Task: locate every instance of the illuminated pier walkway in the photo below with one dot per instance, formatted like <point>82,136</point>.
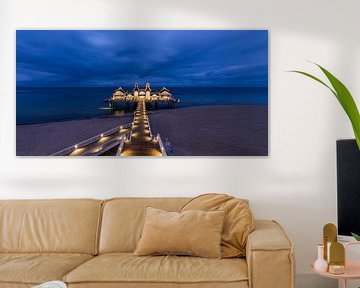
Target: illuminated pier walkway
<point>133,139</point>
<point>141,142</point>
<point>98,144</point>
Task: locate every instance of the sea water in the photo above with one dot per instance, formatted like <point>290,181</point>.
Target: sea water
<point>50,104</point>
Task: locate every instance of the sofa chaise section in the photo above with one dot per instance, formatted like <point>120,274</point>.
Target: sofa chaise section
<point>43,240</point>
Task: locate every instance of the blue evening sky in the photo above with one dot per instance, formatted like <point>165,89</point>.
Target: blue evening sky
<point>188,58</point>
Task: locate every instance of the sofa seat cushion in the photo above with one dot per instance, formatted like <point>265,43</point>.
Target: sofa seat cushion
<point>36,268</point>
<point>127,268</point>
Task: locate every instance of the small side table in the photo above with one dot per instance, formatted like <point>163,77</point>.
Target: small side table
<point>352,269</point>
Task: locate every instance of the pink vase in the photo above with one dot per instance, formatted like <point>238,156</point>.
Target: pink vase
<point>320,264</point>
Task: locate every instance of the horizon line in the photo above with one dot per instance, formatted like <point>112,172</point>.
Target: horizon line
<point>152,86</point>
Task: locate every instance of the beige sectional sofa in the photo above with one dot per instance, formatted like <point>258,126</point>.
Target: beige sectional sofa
<point>89,243</point>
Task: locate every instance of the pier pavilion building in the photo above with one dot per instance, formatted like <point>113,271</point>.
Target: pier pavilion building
<point>142,94</point>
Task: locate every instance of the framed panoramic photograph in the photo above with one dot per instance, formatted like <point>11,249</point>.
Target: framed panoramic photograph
<point>142,93</point>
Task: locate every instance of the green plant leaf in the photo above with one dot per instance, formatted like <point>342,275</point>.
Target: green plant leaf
<point>316,79</point>
<point>346,100</point>
<point>344,97</point>
<point>356,236</point>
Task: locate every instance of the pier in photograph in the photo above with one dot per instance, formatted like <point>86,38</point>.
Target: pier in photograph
<point>132,139</point>
<point>145,95</point>
<point>140,141</point>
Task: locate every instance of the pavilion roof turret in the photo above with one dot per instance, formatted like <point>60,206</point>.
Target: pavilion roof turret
<point>119,89</point>
<point>136,87</point>
<point>165,89</point>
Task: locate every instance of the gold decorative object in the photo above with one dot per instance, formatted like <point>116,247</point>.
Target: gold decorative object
<point>337,258</point>
<point>330,236</point>
<point>337,254</point>
<point>336,269</point>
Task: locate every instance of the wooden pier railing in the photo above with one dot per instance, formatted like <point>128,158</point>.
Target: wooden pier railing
<point>161,145</point>
<point>67,151</point>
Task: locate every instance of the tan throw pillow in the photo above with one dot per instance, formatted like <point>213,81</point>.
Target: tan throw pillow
<point>196,233</point>
<point>239,220</point>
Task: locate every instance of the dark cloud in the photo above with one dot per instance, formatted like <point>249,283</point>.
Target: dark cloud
<point>167,57</point>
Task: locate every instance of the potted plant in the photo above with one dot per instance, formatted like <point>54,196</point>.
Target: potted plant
<point>347,102</point>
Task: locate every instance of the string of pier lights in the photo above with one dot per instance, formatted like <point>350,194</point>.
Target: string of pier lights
<point>76,146</point>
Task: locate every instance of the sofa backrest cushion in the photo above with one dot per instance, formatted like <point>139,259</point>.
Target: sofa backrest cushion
<point>66,226</point>
<point>123,220</point>
<point>238,224</point>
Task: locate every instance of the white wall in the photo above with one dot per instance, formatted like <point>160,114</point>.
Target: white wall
<point>295,185</point>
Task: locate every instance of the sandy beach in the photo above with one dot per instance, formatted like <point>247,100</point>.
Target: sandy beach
<point>47,138</point>
<point>226,130</point>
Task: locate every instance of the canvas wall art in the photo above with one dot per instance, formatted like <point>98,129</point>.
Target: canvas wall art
<point>142,93</point>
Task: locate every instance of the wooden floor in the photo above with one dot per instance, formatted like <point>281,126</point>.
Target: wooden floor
<point>141,143</point>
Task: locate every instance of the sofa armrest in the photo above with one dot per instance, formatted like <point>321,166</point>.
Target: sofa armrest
<point>269,256</point>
